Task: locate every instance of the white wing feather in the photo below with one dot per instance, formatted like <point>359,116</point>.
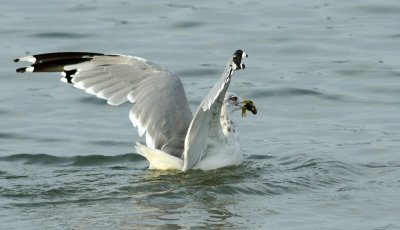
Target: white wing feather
<point>161,109</point>
<point>206,121</point>
<point>159,96</point>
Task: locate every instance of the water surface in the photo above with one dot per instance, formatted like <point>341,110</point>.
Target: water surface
<point>322,153</point>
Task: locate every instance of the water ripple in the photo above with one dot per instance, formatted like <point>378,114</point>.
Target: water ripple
<point>293,92</point>
<point>60,35</point>
<point>282,175</point>
<point>90,160</point>
<point>185,24</point>
<point>15,136</point>
<point>182,6</point>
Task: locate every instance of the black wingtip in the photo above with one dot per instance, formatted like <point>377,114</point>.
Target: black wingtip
<point>240,53</point>
<point>16,60</point>
<point>69,75</point>
<point>21,70</point>
<point>237,59</point>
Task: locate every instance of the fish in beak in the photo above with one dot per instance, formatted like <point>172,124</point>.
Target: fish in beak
<point>248,105</point>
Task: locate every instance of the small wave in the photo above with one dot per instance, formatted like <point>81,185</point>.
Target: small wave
<point>91,160</point>
<point>377,9</point>
<point>71,201</point>
<point>333,166</point>
<point>92,100</point>
<point>189,24</point>
<point>231,180</point>
<point>292,92</point>
<point>252,188</point>
<point>100,159</point>
<point>391,164</point>
<point>60,35</point>
<point>4,135</point>
<point>6,112</point>
<point>199,72</point>
<point>183,6</point>
<point>281,175</point>
<point>302,172</point>
<point>259,157</point>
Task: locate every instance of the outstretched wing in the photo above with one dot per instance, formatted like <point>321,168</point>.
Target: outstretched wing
<point>206,125</point>
<point>161,109</point>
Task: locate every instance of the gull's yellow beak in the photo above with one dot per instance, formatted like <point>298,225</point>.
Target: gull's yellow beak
<point>248,105</point>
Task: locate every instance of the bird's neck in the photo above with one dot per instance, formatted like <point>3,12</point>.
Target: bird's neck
<point>227,125</point>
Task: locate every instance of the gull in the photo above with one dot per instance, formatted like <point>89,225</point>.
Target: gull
<point>175,138</point>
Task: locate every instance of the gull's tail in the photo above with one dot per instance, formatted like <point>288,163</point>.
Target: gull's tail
<point>158,159</point>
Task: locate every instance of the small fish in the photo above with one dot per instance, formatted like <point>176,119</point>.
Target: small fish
<point>248,105</point>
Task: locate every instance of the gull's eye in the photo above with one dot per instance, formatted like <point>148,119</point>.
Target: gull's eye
<point>233,98</point>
